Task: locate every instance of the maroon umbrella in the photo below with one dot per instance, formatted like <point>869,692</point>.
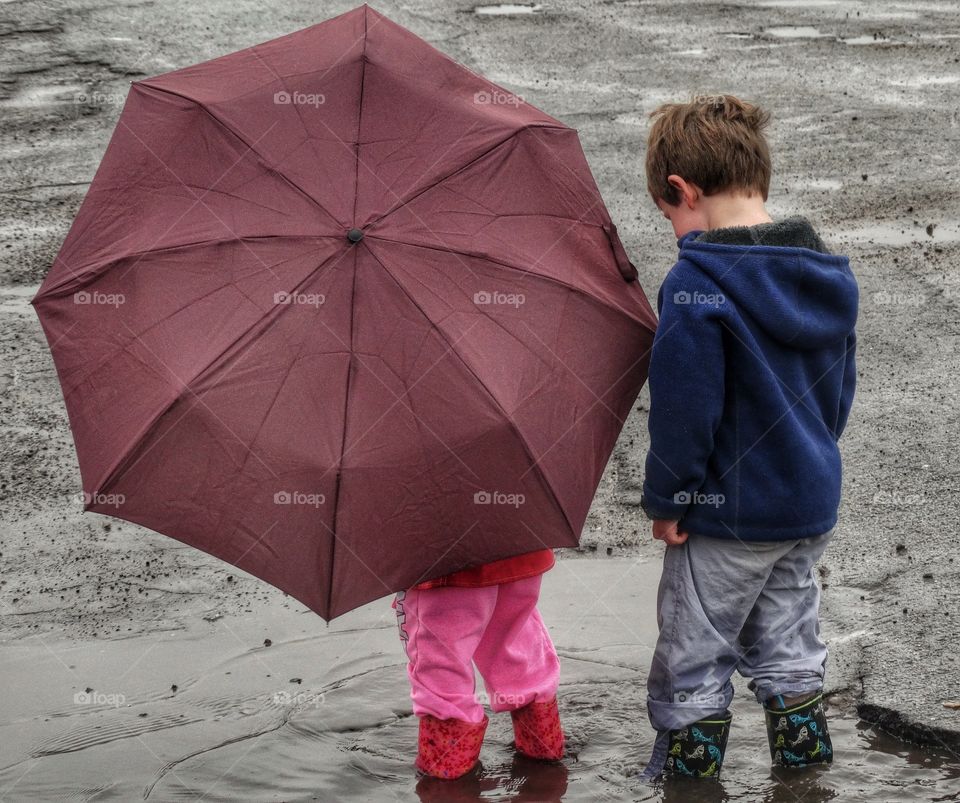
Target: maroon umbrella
<point>344,314</point>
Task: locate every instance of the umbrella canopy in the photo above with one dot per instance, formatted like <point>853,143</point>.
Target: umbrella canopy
<point>344,314</point>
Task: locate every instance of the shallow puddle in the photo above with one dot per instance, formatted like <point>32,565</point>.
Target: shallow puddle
<point>368,757</point>
<point>851,8</point>
<point>212,711</point>
<point>508,9</point>
<point>47,95</point>
<point>795,32</point>
<point>923,81</point>
<point>799,3</point>
<point>814,184</point>
<point>867,39</point>
<point>15,299</point>
<point>895,234</point>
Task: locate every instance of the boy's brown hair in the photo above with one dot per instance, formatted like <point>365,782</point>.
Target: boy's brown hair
<point>713,141</point>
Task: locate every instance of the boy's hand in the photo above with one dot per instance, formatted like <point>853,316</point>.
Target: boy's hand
<point>666,531</point>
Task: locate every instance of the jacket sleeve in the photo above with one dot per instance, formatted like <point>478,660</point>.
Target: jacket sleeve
<point>849,385</point>
<point>686,401</point>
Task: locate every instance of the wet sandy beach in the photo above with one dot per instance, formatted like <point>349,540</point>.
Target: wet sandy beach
<point>209,710</point>
<point>865,136</point>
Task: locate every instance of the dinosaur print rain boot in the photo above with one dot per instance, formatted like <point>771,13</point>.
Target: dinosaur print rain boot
<point>449,748</point>
<point>697,750</point>
<point>798,734</point>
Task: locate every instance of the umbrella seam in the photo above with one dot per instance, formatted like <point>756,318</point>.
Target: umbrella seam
<point>208,190</point>
<point>525,271</point>
<point>487,317</point>
<point>124,464</point>
<point>523,441</point>
<point>53,290</point>
<point>491,213</point>
<point>249,451</point>
<point>257,88</point>
<point>296,106</point>
<point>69,391</point>
<point>260,156</point>
<point>353,293</point>
<point>452,173</point>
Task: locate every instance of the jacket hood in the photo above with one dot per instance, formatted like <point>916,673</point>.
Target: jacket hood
<point>794,290</point>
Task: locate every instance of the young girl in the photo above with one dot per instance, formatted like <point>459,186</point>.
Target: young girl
<point>488,616</point>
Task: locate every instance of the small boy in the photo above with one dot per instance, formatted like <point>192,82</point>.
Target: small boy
<point>751,380</point>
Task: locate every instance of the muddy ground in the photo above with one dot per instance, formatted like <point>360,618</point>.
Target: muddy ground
<point>865,135</point>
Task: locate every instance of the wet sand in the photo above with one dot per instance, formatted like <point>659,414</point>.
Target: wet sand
<point>208,710</point>
<point>865,135</point>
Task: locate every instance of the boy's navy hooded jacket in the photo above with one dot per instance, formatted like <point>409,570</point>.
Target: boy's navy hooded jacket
<point>751,379</point>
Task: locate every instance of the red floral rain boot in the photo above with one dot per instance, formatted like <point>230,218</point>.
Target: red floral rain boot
<point>537,731</point>
<point>449,748</point>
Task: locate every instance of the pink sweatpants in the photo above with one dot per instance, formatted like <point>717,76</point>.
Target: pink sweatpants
<point>446,630</point>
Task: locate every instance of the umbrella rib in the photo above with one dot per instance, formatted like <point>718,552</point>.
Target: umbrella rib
<point>343,441</point>
<point>513,336</point>
<point>353,293</point>
<point>253,440</point>
<point>525,271</point>
<point>101,266</point>
<point>480,382</point>
<point>489,318</point>
<point>208,190</point>
<point>230,129</point>
<point>69,390</point>
<point>363,81</point>
<point>126,462</point>
<point>296,106</point>
<point>404,201</point>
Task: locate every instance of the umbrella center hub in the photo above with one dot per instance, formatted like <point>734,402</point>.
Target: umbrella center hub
<point>355,235</point>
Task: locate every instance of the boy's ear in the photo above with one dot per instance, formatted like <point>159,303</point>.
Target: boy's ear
<point>689,193</point>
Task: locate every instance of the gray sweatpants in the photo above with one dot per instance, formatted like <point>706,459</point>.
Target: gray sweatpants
<point>728,606</point>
